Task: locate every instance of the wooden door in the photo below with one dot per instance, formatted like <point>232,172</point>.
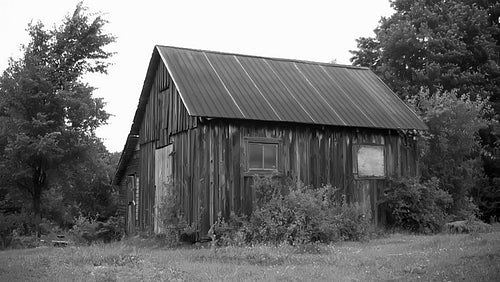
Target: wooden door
<point>163,183</point>
<point>131,207</point>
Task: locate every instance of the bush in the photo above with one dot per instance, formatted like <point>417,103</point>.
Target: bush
<point>233,232</point>
<point>468,209</point>
<point>471,225</point>
<point>296,218</point>
<point>354,224</point>
<point>301,216</point>
<point>8,224</point>
<point>451,148</point>
<point>268,187</point>
<point>418,207</point>
<point>89,230</point>
<point>21,223</point>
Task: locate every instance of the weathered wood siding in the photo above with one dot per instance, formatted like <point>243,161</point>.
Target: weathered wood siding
<point>209,164</point>
<point>165,113</point>
<point>127,190</point>
<point>164,116</point>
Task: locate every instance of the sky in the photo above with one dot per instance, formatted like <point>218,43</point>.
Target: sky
<point>313,30</point>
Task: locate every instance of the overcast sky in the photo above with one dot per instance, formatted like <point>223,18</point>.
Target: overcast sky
<point>311,30</point>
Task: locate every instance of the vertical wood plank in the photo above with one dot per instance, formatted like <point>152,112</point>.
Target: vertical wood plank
<point>212,175</point>
<point>221,188</point>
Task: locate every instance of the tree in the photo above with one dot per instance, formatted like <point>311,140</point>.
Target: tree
<point>48,116</point>
<point>436,44</point>
<point>83,188</point>
<point>452,149</point>
<point>87,184</point>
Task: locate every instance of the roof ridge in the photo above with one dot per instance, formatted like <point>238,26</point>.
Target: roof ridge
<point>267,58</point>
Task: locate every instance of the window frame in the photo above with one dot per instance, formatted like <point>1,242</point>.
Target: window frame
<point>355,161</point>
<point>262,141</point>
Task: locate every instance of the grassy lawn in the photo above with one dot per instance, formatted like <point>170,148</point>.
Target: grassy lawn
<point>465,257</point>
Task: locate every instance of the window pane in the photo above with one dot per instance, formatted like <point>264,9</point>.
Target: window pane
<point>254,155</point>
<point>270,153</point>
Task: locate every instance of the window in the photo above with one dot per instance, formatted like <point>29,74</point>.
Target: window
<point>369,161</point>
<point>262,154</point>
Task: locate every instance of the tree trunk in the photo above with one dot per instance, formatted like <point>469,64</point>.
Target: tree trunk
<point>37,210</point>
<point>38,185</point>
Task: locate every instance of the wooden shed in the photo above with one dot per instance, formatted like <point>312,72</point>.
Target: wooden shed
<point>208,122</point>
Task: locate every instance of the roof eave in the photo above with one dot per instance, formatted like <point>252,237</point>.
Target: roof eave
<point>127,153</point>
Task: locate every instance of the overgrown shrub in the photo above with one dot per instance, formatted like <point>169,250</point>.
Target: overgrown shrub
<point>452,149</point>
<point>468,209</point>
<point>21,223</point>
<point>7,224</point>
<point>354,223</point>
<point>232,232</point>
<point>89,230</point>
<point>296,218</point>
<point>471,225</point>
<point>417,206</point>
<point>296,215</point>
<point>169,212</point>
<point>172,220</point>
<point>268,187</point>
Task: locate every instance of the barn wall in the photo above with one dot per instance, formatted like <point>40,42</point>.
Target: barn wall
<point>127,191</point>
<point>164,116</point>
<point>165,113</point>
<point>209,164</point>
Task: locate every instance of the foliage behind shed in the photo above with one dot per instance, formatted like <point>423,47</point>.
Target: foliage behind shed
<point>207,122</point>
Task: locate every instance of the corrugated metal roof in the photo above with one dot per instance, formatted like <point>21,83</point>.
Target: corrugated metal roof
<point>223,85</point>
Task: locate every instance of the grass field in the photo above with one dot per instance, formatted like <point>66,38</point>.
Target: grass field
<point>465,257</point>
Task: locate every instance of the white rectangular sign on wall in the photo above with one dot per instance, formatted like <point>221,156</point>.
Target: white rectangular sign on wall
<point>370,161</point>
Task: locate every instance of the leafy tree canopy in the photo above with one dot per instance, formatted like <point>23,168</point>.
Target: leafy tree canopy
<point>437,44</point>
<point>451,149</point>
<point>48,116</point>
